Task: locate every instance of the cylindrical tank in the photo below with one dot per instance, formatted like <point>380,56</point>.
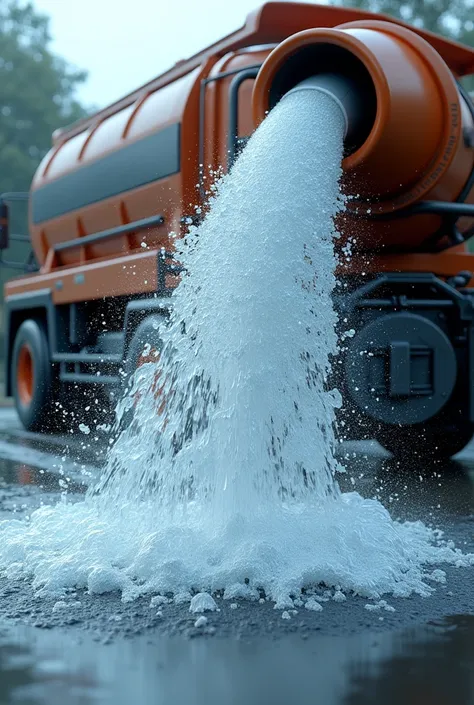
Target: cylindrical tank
<point>120,169</point>
<point>409,144</point>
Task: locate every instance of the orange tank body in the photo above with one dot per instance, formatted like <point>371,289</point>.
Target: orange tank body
<point>119,168</point>
<point>117,188</point>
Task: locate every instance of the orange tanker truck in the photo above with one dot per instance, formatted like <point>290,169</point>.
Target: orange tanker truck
<point>113,187</point>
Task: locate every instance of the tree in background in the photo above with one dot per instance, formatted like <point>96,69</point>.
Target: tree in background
<point>36,97</point>
<point>451,18</point>
<point>36,93</point>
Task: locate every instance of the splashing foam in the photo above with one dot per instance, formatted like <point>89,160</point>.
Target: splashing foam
<point>231,486</point>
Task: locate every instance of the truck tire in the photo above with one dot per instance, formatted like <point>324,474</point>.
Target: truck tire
<point>33,379</point>
<point>427,441</point>
<point>146,334</point>
<point>145,345</point>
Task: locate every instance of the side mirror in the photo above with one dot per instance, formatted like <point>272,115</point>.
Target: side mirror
<point>4,233</point>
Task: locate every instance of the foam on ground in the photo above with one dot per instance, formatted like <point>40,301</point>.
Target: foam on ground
<point>232,487</point>
<point>349,542</point>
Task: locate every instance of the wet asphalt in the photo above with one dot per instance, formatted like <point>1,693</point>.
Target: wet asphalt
<point>108,652</point>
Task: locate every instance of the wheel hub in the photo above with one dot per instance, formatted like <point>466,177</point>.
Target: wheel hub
<point>400,369</point>
<point>25,375</point>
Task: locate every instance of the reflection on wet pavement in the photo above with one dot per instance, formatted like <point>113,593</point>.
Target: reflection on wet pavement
<point>36,469</point>
<point>433,665</point>
<point>29,677</point>
<point>434,668</point>
<point>431,493</point>
<point>25,487</point>
<point>412,491</point>
<point>79,448</point>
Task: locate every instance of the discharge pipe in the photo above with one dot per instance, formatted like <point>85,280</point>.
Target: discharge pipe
<point>343,90</point>
<point>407,124</point>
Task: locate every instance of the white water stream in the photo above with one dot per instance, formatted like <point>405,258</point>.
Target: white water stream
<point>232,487</point>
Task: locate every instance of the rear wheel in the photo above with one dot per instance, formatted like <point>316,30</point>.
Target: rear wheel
<point>33,380</point>
<point>145,346</point>
<point>42,402</point>
<point>425,441</point>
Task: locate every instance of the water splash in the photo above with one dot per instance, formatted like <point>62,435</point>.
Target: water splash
<point>245,358</point>
<point>231,484</point>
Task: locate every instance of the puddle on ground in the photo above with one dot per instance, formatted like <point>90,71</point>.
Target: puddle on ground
<point>24,487</point>
<point>433,664</point>
<point>411,491</point>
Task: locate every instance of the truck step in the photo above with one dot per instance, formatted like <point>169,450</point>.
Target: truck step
<point>88,357</point>
<point>83,378</point>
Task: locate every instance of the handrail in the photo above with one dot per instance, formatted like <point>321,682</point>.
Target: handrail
<point>137,225</point>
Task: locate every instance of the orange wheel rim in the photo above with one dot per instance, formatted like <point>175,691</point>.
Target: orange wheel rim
<point>150,355</point>
<point>25,375</point>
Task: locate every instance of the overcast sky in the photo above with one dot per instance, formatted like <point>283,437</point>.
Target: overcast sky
<point>124,43</point>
